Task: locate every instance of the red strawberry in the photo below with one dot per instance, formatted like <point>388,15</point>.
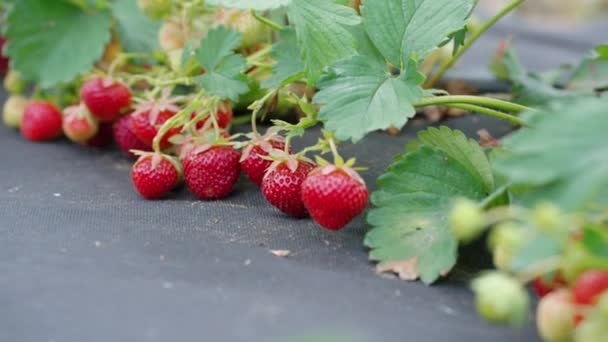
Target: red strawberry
<point>188,142</point>
<point>125,137</point>
<point>3,59</point>
<point>211,171</point>
<point>252,162</point>
<point>41,121</point>
<point>282,185</point>
<point>154,175</point>
<point>103,137</point>
<point>78,124</point>
<point>545,285</point>
<point>589,286</point>
<point>105,97</point>
<point>334,195</point>
<point>223,117</point>
<point>146,126</point>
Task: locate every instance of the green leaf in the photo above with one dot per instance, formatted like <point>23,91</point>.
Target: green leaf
<point>602,50</point>
<point>595,240</point>
<point>258,5</point>
<point>137,32</point>
<point>53,41</point>
<point>562,157</point>
<point>466,151</point>
<point>410,232</point>
<point>403,28</point>
<point>223,76</point>
<point>321,30</point>
<point>359,97</point>
<point>590,74</point>
<point>538,248</point>
<point>288,65</point>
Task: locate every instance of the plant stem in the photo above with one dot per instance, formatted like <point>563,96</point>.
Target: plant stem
<point>271,24</point>
<point>474,100</point>
<point>241,120</point>
<point>449,63</point>
<point>256,56</point>
<point>489,112</point>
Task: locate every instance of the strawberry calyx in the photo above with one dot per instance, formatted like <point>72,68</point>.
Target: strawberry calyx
<point>262,141</point>
<point>281,157</point>
<point>155,106</point>
<point>157,158</point>
<point>326,168</point>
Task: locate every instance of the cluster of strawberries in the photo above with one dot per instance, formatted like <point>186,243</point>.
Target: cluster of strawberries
<point>561,309</point>
<point>207,160</point>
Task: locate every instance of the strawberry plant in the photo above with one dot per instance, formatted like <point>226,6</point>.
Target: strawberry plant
<point>167,80</point>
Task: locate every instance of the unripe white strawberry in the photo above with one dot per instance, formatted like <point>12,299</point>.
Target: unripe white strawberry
<point>13,82</point>
<point>171,36</point>
<point>13,110</point>
<point>500,298</point>
<point>555,316</point>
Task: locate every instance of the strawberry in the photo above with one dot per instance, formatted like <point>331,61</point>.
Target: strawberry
<point>544,285</point>
<point>154,175</point>
<point>223,117</point>
<point>282,185</point>
<point>150,114</point>
<point>78,124</point>
<point>211,171</point>
<point>146,126</point>
<point>252,161</point>
<point>103,138</point>
<point>589,286</point>
<point>3,59</point>
<point>334,195</point>
<point>13,109</point>
<point>41,121</point>
<point>125,136</point>
<point>554,316</point>
<point>172,36</point>
<point>105,97</point>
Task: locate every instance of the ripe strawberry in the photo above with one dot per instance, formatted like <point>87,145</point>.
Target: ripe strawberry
<point>223,117</point>
<point>125,137</point>
<point>545,285</point>
<point>3,58</point>
<point>282,185</point>
<point>334,195</point>
<point>105,97</point>
<point>41,121</point>
<point>589,286</point>
<point>154,175</point>
<point>252,161</point>
<point>211,171</point>
<point>104,136</point>
<point>146,125</point>
<point>78,124</point>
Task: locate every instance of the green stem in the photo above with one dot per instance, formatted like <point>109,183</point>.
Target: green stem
<point>449,63</point>
<point>274,26</point>
<point>489,112</point>
<point>258,55</point>
<point>474,100</point>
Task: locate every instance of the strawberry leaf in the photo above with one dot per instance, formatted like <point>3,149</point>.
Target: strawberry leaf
<point>590,74</point>
<point>409,224</point>
<point>466,151</point>
<point>289,65</point>
<point>258,5</point>
<point>321,30</point>
<point>562,157</point>
<point>54,41</point>
<point>137,32</point>
<point>223,68</point>
<point>401,29</point>
<point>359,97</point>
